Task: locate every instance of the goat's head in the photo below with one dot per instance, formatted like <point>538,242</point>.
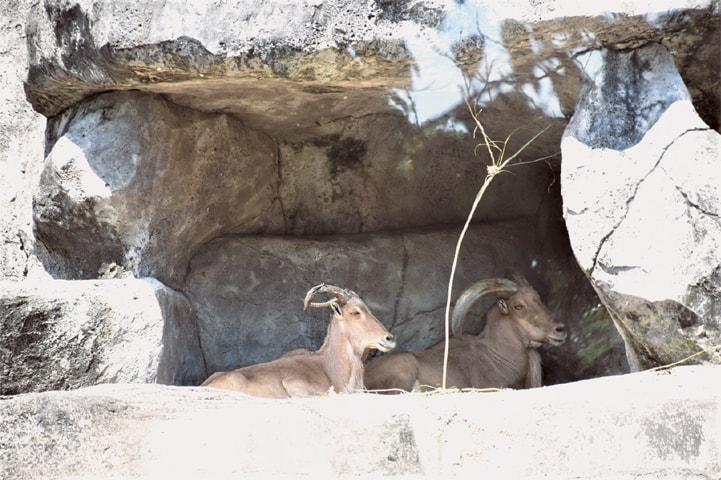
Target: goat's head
<point>518,301</point>
<point>354,317</point>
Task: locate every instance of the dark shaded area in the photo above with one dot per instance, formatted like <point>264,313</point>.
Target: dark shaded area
<point>79,240</point>
<point>619,113</point>
<point>343,153</point>
<point>27,360</point>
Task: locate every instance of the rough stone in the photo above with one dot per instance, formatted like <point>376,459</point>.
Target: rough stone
<point>136,180</point>
<point>21,149</point>
<point>641,200</point>
<point>173,127</point>
<point>336,132</point>
<point>665,425</point>
<point>133,179</point>
<point>69,334</point>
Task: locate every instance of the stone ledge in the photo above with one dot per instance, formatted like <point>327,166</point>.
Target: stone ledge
<point>343,47</point>
<point>643,425</point>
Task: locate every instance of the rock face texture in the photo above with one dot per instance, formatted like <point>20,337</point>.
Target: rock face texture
<point>139,181</point>
<point>664,426</point>
<point>78,333</point>
<point>174,177</point>
<point>642,192</point>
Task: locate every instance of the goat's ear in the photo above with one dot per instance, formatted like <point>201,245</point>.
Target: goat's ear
<point>336,309</point>
<point>503,306</point>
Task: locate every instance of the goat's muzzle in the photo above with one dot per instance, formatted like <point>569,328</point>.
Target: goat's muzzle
<point>558,336</point>
<point>386,344</point>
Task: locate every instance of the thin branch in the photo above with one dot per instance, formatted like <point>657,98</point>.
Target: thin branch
<point>683,360</point>
<point>496,167</point>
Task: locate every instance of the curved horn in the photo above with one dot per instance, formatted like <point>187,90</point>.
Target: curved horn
<point>340,295</point>
<point>473,294</point>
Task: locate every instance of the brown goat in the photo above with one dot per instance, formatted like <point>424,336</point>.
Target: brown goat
<point>503,355</point>
<point>337,365</point>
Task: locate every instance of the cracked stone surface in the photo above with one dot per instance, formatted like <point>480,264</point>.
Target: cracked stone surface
<point>643,210</point>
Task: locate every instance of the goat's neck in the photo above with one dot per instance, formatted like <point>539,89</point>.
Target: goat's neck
<point>342,361</point>
<point>507,348</point>
<point>504,331</point>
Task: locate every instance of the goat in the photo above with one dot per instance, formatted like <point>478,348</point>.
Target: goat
<point>337,365</point>
<point>503,355</point>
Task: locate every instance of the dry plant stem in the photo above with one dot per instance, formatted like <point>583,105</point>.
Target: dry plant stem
<point>497,166</point>
<point>493,170</point>
<point>683,360</point>
<point>477,200</point>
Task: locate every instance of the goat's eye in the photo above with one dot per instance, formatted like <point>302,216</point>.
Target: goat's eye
<point>355,313</point>
<point>518,307</point>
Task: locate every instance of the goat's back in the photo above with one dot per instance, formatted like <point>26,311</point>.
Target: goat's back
<point>472,363</point>
<point>296,375</point>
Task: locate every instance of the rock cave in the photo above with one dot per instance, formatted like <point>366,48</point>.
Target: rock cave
<point>188,172</point>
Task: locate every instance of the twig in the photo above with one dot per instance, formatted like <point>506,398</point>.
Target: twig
<point>497,166</point>
<point>701,352</point>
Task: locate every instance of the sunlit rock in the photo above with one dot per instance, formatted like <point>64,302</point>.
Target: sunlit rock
<point>240,152</point>
<point>136,180</point>
<point>663,423</point>
<point>61,334</point>
<point>641,190</point>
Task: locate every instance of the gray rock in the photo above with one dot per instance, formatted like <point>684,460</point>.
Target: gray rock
<point>267,144</point>
<point>641,202</point>
<point>663,426</point>
<point>63,334</point>
<point>135,180</point>
<point>117,186</point>
<point>172,129</point>
<point>21,149</point>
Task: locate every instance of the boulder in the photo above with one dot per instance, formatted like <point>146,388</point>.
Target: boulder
<point>664,425</point>
<point>133,179</point>
<point>63,334</point>
<point>641,190</point>
<point>176,175</point>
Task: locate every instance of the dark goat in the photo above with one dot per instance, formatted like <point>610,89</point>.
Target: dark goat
<point>503,355</point>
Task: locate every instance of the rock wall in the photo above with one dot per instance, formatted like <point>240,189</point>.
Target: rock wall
<point>61,334</point>
<point>168,144</point>
<point>22,144</point>
<point>175,176</point>
<point>133,179</point>
<point>642,190</point>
